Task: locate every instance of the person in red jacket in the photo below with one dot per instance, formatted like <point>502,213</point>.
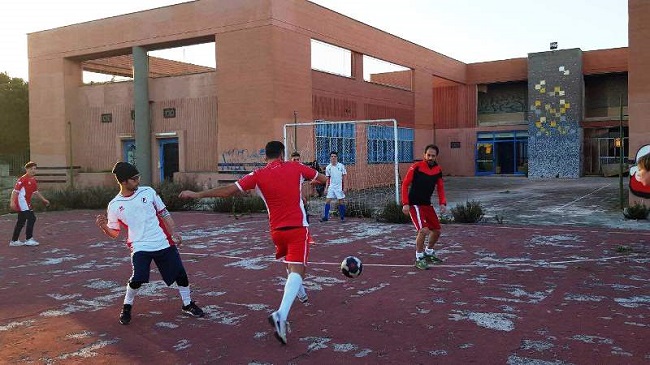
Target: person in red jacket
<point>21,202</point>
<point>423,177</point>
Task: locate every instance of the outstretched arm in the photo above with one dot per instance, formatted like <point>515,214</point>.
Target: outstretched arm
<point>220,192</point>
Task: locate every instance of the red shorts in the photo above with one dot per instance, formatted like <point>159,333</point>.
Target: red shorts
<point>292,244</point>
<point>424,216</point>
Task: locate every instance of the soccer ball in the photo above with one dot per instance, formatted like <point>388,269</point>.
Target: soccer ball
<point>351,267</point>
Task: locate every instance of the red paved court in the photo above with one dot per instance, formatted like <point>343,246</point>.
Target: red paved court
<point>505,295</point>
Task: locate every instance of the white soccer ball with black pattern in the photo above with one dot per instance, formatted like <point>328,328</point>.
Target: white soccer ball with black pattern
<point>351,267</point>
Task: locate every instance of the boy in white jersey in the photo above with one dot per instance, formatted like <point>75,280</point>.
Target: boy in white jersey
<point>334,188</point>
<point>150,236</point>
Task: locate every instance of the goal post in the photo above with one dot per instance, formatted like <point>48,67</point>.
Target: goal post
<point>369,149</point>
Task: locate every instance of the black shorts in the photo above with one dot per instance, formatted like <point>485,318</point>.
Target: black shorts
<point>167,260</point>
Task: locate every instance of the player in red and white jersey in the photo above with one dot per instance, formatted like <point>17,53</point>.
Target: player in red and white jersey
<point>150,236</point>
<point>21,202</point>
<point>279,184</point>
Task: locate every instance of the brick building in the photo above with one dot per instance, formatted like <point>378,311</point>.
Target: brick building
<point>552,114</point>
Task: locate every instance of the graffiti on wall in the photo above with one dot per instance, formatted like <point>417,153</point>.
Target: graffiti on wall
<point>503,99</point>
<point>550,114</point>
<point>241,159</point>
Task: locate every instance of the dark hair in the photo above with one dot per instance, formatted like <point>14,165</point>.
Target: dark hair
<point>334,153</point>
<point>295,154</point>
<point>124,171</point>
<point>30,164</point>
<point>274,149</point>
<point>432,146</point>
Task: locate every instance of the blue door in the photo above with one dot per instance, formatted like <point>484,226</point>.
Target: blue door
<point>168,158</point>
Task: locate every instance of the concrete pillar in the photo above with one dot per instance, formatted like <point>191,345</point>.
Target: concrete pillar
<point>142,117</point>
<point>555,89</point>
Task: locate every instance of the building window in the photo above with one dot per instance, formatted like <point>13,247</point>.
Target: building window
<point>381,144</point>
<point>339,137</point>
<point>329,58</point>
<point>169,113</point>
<point>107,118</point>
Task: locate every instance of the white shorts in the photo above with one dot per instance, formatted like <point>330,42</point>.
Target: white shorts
<point>335,193</point>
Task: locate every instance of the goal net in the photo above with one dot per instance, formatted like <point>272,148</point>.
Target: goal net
<point>367,148</point>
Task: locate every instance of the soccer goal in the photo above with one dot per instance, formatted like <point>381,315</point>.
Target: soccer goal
<point>369,150</point>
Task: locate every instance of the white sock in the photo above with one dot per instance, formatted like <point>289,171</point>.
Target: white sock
<point>301,291</point>
<point>185,294</point>
<point>429,251</point>
<point>294,282</point>
<point>130,295</point>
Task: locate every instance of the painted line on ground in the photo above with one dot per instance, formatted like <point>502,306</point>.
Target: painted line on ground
<point>580,198</point>
<point>486,265</point>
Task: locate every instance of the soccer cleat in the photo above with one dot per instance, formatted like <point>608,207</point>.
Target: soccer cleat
<point>16,243</point>
<point>193,310</point>
<point>432,259</point>
<point>279,326</point>
<point>303,298</point>
<point>31,242</point>
<point>421,264</point>
<point>125,315</point>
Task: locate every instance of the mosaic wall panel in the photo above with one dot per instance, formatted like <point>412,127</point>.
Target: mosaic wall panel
<point>555,89</point>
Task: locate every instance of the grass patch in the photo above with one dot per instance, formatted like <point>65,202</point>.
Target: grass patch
<point>392,213</point>
<point>637,211</point>
<point>470,212</point>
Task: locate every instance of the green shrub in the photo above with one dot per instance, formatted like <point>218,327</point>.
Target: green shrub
<point>239,204</point>
<point>169,191</point>
<point>86,198</point>
<point>637,211</point>
<point>358,209</point>
<point>470,212</point>
<point>445,218</point>
<point>392,213</point>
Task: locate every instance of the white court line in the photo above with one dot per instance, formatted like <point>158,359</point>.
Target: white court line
<point>580,198</point>
<point>487,265</point>
<point>578,229</point>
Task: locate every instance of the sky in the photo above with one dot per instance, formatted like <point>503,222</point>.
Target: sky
<point>466,30</point>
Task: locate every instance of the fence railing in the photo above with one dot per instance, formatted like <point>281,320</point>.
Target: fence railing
<point>16,161</point>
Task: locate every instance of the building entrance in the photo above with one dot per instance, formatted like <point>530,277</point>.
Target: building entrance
<point>502,153</point>
<point>168,154</point>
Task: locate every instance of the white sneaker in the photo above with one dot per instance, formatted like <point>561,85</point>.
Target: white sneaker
<point>279,326</point>
<point>31,242</point>
<point>16,243</point>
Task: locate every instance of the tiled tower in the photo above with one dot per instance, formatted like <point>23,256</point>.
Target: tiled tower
<point>555,88</point>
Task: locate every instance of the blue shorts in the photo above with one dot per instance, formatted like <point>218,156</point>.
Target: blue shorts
<point>167,260</point>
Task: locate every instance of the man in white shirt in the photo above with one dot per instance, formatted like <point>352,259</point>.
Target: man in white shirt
<point>150,236</point>
<point>335,186</point>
